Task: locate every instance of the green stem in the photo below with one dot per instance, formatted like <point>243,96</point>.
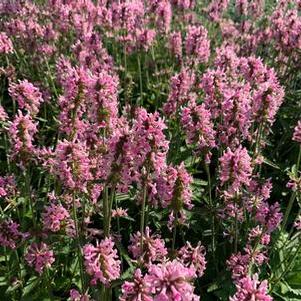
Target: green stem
<point>110,206</point>
<point>293,196</point>
<point>28,191</point>
<point>212,214</point>
<point>140,79</point>
<point>257,141</point>
<point>79,253</point>
<point>143,215</point>
<point>174,235</point>
<point>287,267</point>
<point>106,211</point>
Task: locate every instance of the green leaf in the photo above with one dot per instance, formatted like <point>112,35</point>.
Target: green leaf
<point>30,286</point>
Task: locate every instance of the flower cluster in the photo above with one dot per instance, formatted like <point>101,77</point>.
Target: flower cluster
<point>10,235</point>
<point>101,261</point>
<point>39,256</point>
<point>27,96</point>
<point>250,288</point>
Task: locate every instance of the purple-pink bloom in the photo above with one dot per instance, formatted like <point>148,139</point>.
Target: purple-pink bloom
<point>101,261</point>
<point>22,131</point>
<point>71,164</point>
<point>55,217</point>
<point>27,96</point>
<point>193,257</point>
<point>171,281</point>
<point>6,45</point>
<point>180,90</point>
<point>175,43</point>
<point>154,249</point>
<point>216,9</point>
<point>7,187</point>
<point>136,290</point>
<point>269,216</point>
<point>238,264</point>
<point>76,296</point>
<point>39,256</point>
<point>198,128</point>
<point>250,288</point>
<point>297,223</point>
<point>173,189</point>
<point>235,169</point>
<point>10,235</point>
<point>297,132</point>
<point>197,43</point>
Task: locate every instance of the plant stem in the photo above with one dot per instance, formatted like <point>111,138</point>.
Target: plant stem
<point>287,267</point>
<point>110,205</point>
<point>211,208</point>
<point>143,214</point>
<point>174,234</point>
<point>28,191</point>
<point>106,212</point>
<point>293,196</point>
<point>140,79</point>
<point>79,253</point>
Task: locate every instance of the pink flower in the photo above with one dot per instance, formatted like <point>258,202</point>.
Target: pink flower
<point>6,45</point>
<point>136,290</point>
<point>171,281</point>
<point>239,265</point>
<point>10,235</point>
<point>297,223</point>
<point>27,96</point>
<point>146,38</point>
<point>184,4</point>
<point>269,216</point>
<point>198,127</point>
<point>76,296</point>
<point>22,131</point>
<point>285,27</point>
<point>154,249</point>
<point>102,262</point>
<point>229,102</point>
<point>180,89</point>
<point>149,144</point>
<point>77,89</point>
<point>297,132</point>
<point>55,217</point>
<point>235,169</point>
<point>119,212</point>
<point>175,43</point>
<point>268,95</point>
<point>128,15</point>
<point>39,256</point>
<point>163,13</point>
<point>197,43</point>
<point>173,190</point>
<point>216,9</point>
<point>71,164</point>
<point>7,187</point>
<point>193,257</point>
<point>103,105</point>
<point>250,288</point>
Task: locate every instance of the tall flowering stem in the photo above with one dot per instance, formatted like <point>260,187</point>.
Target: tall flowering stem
<point>207,168</point>
<point>106,211</point>
<point>77,238</point>
<point>143,209</point>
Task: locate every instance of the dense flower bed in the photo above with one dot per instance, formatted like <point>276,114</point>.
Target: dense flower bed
<point>150,150</point>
